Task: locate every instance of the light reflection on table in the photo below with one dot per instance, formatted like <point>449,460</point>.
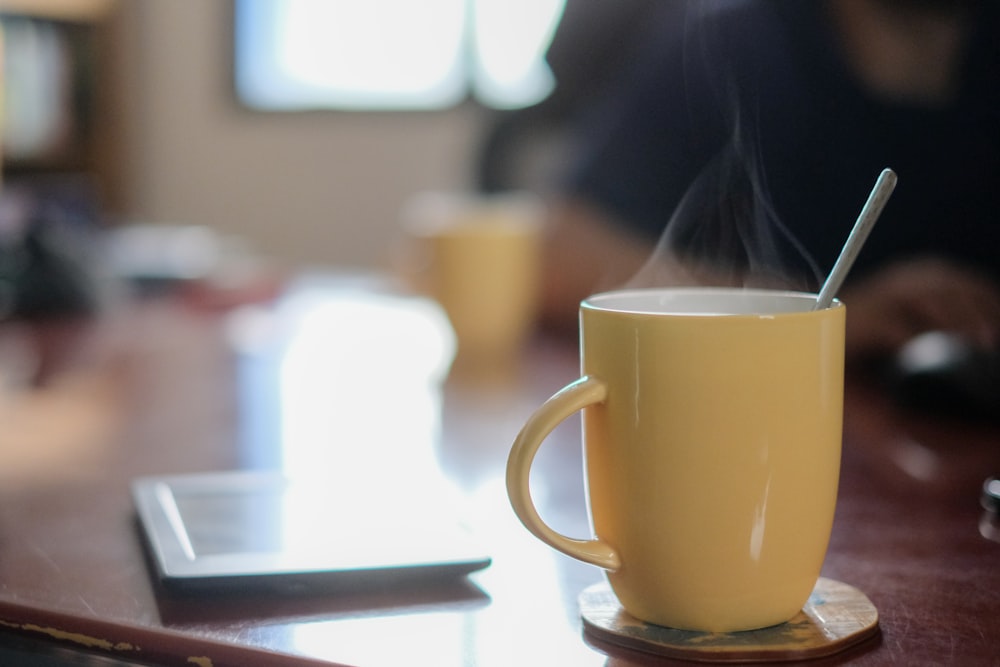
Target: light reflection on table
<point>360,388</point>
<point>527,599</point>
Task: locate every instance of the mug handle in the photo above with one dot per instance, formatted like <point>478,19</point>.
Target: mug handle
<point>568,400</point>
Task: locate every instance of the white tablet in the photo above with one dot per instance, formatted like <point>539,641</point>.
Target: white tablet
<point>243,530</point>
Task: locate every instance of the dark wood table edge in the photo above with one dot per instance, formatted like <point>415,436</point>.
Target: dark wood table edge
<point>128,641</point>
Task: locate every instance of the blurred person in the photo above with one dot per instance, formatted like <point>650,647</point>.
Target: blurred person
<point>741,145</point>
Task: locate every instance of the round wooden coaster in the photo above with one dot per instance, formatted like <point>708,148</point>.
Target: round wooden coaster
<point>836,617</point>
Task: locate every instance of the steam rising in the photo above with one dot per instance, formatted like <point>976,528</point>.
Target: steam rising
<point>725,230</point>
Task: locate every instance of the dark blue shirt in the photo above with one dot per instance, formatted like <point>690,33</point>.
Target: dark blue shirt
<point>744,136</point>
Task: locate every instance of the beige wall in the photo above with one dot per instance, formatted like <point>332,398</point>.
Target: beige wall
<point>304,188</point>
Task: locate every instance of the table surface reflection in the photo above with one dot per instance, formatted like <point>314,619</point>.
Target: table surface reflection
<point>162,387</point>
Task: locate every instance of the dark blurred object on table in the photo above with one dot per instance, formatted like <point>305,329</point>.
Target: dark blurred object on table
<point>943,373</point>
<point>45,250</point>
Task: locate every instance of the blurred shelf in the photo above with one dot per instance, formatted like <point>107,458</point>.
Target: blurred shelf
<point>55,140</point>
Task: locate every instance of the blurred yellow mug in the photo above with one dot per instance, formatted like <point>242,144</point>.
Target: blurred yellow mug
<point>480,258</point>
<point>712,422</point>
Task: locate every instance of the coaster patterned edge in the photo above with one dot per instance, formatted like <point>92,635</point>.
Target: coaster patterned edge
<point>836,617</point>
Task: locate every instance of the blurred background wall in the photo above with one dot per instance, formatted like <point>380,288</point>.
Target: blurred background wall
<point>306,188</point>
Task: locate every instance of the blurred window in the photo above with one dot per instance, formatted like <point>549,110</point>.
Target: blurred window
<point>392,54</point>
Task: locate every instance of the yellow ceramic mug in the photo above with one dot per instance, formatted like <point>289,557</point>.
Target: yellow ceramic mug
<point>480,258</point>
<point>712,426</point>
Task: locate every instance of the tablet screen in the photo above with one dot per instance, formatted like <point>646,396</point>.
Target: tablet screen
<point>229,523</point>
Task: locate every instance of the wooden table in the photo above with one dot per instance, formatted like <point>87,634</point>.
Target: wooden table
<point>161,386</point>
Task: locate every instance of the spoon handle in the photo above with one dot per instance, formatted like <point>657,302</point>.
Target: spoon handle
<point>866,220</point>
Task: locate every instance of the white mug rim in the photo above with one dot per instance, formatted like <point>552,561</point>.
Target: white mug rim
<point>704,301</point>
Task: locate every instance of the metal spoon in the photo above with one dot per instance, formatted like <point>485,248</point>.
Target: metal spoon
<point>866,220</point>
